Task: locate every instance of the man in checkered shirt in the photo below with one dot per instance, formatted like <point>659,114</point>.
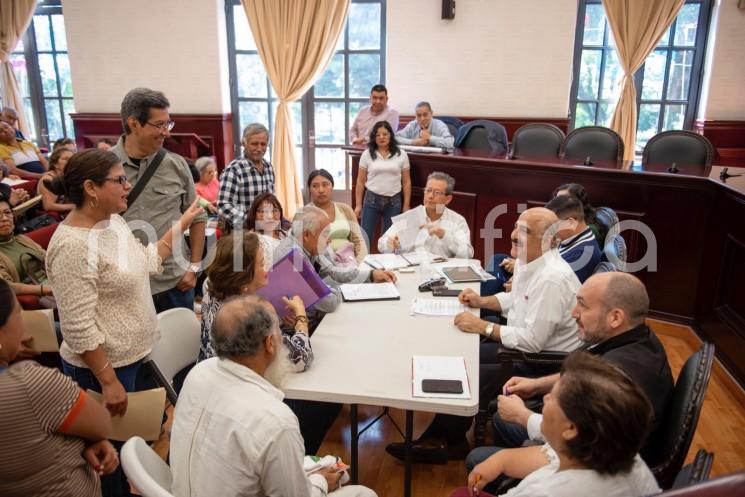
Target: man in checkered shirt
<point>247,177</point>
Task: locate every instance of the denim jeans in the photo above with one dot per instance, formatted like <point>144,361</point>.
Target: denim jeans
<point>115,484</point>
<point>173,298</point>
<point>376,207</point>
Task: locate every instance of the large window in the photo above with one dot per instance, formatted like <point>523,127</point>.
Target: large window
<point>323,116</point>
<point>42,68</point>
<point>667,83</point>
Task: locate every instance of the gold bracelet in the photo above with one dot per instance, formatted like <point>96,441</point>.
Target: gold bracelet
<point>301,319</point>
<point>166,244</point>
<point>102,369</point>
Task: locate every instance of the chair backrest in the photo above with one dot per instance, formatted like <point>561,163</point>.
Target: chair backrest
<point>673,438</point>
<point>42,236</point>
<point>178,347</point>
<point>596,142</point>
<point>477,138</point>
<point>605,267</point>
<point>537,140</point>
<point>681,147</point>
<point>482,134</point>
<point>726,486</point>
<point>453,123</point>
<point>612,243</point>
<point>695,472</point>
<point>144,468</point>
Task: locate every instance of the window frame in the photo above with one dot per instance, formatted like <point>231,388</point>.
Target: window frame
<point>696,76</point>
<point>33,70</point>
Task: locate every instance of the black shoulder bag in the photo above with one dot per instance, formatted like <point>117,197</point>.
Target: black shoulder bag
<point>143,181</point>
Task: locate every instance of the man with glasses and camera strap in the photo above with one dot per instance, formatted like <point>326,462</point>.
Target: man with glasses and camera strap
<point>163,189</point>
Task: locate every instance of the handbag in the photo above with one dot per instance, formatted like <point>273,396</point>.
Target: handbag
<point>36,273</point>
<point>35,223</point>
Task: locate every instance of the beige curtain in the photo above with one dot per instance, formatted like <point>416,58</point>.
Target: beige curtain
<point>15,16</point>
<point>637,26</point>
<point>296,41</point>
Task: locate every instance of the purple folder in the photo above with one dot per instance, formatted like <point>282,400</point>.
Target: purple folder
<point>293,275</point>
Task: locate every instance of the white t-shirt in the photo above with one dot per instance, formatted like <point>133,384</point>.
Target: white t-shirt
<point>384,175</point>
<point>547,482</point>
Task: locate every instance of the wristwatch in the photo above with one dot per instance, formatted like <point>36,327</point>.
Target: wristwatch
<point>195,268</point>
<point>489,330</point>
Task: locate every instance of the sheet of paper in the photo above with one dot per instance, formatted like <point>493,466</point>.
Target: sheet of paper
<point>14,182</point>
<point>40,325</point>
<point>439,368</point>
<point>369,291</point>
<point>416,258</point>
<point>143,418</point>
<point>385,261</point>
<point>437,307</point>
<point>21,208</point>
<point>422,149</point>
<point>408,226</point>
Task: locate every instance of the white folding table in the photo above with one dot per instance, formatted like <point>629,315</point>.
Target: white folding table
<point>363,355</point>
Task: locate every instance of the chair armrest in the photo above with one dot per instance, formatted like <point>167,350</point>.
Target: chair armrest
<point>513,355</point>
<point>28,302</point>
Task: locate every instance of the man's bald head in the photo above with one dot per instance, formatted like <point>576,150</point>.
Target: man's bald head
<point>609,304</point>
<point>534,234</point>
<point>241,326</point>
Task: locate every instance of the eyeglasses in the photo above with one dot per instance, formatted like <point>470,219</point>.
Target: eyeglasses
<point>436,193</point>
<point>118,179</point>
<point>8,214</point>
<point>168,125</point>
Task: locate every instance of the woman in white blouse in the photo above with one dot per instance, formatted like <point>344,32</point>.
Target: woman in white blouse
<point>100,273</point>
<point>595,420</point>
<point>385,180</point>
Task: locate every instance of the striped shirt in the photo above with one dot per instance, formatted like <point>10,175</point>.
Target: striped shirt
<point>240,183</point>
<point>35,459</point>
<point>582,253</point>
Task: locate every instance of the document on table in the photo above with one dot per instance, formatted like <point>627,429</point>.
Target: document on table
<point>408,225</point>
<point>422,149</point>
<point>369,291</point>
<point>385,261</point>
<point>143,418</point>
<point>439,368</point>
<point>437,307</point>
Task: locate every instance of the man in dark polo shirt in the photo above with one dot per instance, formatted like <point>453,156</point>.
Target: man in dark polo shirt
<point>610,312</point>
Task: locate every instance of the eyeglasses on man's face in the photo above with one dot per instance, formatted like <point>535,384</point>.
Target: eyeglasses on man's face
<point>118,179</point>
<point>436,193</point>
<point>6,213</point>
<point>166,126</point>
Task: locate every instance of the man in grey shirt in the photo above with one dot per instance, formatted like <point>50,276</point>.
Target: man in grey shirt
<point>168,193</point>
<point>425,131</point>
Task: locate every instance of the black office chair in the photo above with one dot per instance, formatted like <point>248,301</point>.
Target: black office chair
<point>680,147</point>
<point>672,440</point>
<point>537,140</point>
<point>453,123</point>
<point>611,242</point>
<point>594,142</point>
<point>482,134</point>
<point>726,486</point>
<point>695,472</point>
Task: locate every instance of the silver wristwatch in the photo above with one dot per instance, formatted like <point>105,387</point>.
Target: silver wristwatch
<point>489,330</point>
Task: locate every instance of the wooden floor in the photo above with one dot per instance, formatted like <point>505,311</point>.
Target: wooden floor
<point>721,429</point>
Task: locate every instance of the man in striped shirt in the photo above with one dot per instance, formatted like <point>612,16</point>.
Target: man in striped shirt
<point>578,246</point>
<point>247,177</point>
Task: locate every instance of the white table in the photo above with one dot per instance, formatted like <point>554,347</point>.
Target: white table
<point>363,355</point>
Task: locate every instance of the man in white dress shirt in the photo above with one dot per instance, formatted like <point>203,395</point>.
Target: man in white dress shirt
<point>232,434</point>
<point>444,232</point>
<point>425,130</point>
<point>539,318</point>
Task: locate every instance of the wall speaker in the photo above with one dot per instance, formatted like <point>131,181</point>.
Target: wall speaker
<point>448,9</point>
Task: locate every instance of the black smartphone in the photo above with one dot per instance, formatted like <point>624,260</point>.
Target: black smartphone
<point>445,292</point>
<point>442,386</point>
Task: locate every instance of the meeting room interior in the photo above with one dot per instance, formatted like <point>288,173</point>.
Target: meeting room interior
<point>372,247</point>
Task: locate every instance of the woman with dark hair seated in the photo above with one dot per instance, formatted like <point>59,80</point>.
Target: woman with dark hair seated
<point>49,426</point>
<point>50,201</point>
<point>594,420</point>
<point>345,234</point>
<point>578,191</point>
<point>265,216</point>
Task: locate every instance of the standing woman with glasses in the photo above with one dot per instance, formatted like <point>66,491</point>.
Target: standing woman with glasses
<point>101,273</point>
<point>384,178</point>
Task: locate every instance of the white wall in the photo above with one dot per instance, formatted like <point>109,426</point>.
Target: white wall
<point>169,45</point>
<point>507,58</point>
<point>723,97</point>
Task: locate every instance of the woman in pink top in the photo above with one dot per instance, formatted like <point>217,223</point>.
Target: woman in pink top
<point>207,187</point>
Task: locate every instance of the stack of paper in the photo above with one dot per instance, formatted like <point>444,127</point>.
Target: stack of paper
<point>423,149</point>
<point>439,368</point>
<point>385,261</point>
<point>369,291</point>
<point>437,307</point>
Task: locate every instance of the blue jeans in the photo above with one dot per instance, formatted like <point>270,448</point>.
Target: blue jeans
<point>115,484</point>
<point>172,299</point>
<point>376,207</point>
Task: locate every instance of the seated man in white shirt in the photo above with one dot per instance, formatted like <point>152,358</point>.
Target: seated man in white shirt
<point>425,130</point>
<point>232,434</point>
<point>443,232</point>
<point>539,318</point>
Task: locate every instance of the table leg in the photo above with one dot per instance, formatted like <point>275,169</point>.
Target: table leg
<point>354,438</point>
<point>407,452</point>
